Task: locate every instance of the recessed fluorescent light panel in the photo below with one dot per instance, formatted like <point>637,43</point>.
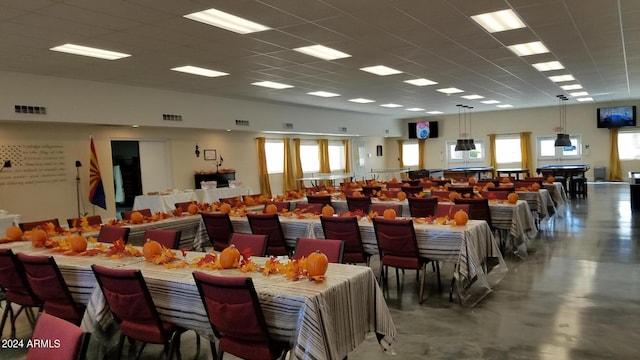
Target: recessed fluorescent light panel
<point>585,99</point>
<point>532,48</point>
<point>226,21</point>
<point>420,82</point>
<point>499,21</point>
<point>89,51</point>
<point>450,90</point>
<point>571,87</point>
<point>199,71</point>
<point>322,52</point>
<point>415,109</point>
<point>561,78</point>
<point>381,70</point>
<point>472,97</point>
<point>434,112</point>
<point>361,101</point>
<point>503,106</point>
<point>272,85</point>
<point>548,66</point>
<point>323,94</point>
<point>579,93</point>
<point>391,105</point>
<point>489,102</point>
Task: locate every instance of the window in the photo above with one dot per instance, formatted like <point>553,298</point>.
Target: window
<point>465,157</point>
<point>274,152</point>
<point>309,157</point>
<point>336,156</point>
<point>629,145</point>
<point>410,154</point>
<point>547,151</point>
<point>508,150</point>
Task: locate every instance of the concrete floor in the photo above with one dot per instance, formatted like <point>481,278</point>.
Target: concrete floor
<point>576,296</point>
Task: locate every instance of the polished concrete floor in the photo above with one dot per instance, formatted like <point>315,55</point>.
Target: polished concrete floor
<point>576,296</point>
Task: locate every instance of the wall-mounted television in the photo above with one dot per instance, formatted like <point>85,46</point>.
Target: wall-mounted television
<point>423,130</point>
<point>616,116</point>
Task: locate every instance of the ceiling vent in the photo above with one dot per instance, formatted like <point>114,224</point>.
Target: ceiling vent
<point>242,122</point>
<point>29,109</point>
<point>287,126</point>
<point>342,129</point>
<point>171,117</point>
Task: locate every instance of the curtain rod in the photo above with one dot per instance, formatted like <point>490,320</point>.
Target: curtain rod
<point>514,133</point>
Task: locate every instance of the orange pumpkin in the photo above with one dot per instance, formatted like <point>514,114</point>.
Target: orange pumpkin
<point>229,257</point>
<point>151,249</point>
<point>317,264</point>
<point>328,211</point>
<point>38,237</point>
<point>461,217</point>
<point>136,217</point>
<point>490,185</point>
<point>389,213</point>
<point>270,209</point>
<point>14,233</point>
<point>512,198</point>
<point>78,243</point>
<point>454,195</point>
<point>356,194</point>
<point>402,195</point>
<point>192,209</point>
<point>551,179</point>
<point>225,208</point>
<point>535,187</point>
<point>472,180</point>
<point>249,201</point>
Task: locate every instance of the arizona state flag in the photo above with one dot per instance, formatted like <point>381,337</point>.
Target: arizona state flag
<point>96,188</point>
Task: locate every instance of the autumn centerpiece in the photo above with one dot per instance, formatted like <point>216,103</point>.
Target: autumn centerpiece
<point>317,264</point>
<point>512,198</point>
<point>328,211</point>
<point>230,257</point>
<point>389,213</point>
<point>136,217</point>
<point>38,237</point>
<point>151,249</point>
<point>78,243</point>
<point>14,233</point>
<point>461,217</point>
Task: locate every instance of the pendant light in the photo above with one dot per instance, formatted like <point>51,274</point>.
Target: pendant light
<point>461,143</point>
<point>472,145</point>
<point>562,138</point>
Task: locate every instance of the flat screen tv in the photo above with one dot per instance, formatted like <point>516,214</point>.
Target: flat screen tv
<point>423,130</point>
<point>616,116</point>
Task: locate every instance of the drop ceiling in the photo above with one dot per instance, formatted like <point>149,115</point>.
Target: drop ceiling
<point>597,41</point>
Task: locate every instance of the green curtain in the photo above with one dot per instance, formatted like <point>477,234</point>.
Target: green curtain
<point>525,151</point>
<point>288,176</point>
<point>265,186</point>
<point>615,169</point>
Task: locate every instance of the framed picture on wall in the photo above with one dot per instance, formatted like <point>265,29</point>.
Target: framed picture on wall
<point>209,154</point>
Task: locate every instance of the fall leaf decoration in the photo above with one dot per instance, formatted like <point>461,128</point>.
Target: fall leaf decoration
<point>272,266</point>
<point>119,250</point>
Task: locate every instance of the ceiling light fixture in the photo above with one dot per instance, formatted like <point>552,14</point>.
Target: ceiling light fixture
<point>322,52</point>
<point>504,106</point>
<point>561,78</point>
<point>571,87</point>
<point>562,138</point>
<point>361,101</point>
<point>435,112</point>
<point>464,141</point>
<point>499,21</point>
<point>391,105</point>
<point>579,93</point>
<point>415,109</point>
<point>583,99</point>
<point>548,66</point>
<point>531,48</point>
<point>89,51</point>
<point>199,71</point>
<point>381,70</point>
<point>226,21</point>
<point>272,85</point>
<point>325,94</point>
<point>472,97</point>
<point>420,82</point>
<point>449,91</point>
<point>490,102</point>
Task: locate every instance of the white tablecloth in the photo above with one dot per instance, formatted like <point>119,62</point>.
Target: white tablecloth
<point>213,195</point>
<point>162,203</point>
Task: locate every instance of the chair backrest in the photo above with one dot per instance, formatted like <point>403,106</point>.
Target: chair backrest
<point>25,226</point>
<point>229,302</point>
<point>14,280</point>
<point>184,206</point>
<point>111,233</point>
<point>411,182</point>
<point>47,283</point>
<point>130,302</point>
<point>478,209</point>
<point>281,206</point>
<point>422,207</point>
<point>166,237</point>
<point>334,249</point>
<point>396,237</point>
<point>257,244</point>
<point>315,208</point>
<point>394,185</point>
<point>369,190</point>
<point>450,209</point>
<point>361,203</point>
<point>462,189</point>
<point>269,224</point>
<point>393,193</point>
<point>66,341</point>
<point>91,220</point>
<point>412,190</point>
<point>126,215</point>
<point>498,195</point>
<point>442,194</point>
<point>503,188</point>
<point>380,208</point>
<point>219,229</point>
<point>346,229</point>
<point>319,199</point>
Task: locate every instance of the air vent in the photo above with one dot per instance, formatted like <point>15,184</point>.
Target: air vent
<point>171,117</point>
<point>242,122</point>
<point>28,109</point>
<point>342,129</point>
<point>386,131</point>
<point>287,125</point>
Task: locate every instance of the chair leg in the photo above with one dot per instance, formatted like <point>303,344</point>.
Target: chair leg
<point>398,283</point>
<point>424,278</point>
<point>140,351</point>
<point>120,346</point>
<point>438,274</point>
<point>5,314</point>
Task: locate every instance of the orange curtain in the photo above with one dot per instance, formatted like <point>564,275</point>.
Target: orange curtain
<point>265,186</point>
<point>298,163</point>
<point>492,151</point>
<point>525,151</point>
<point>347,156</point>
<point>400,162</point>
<point>288,178</point>
<point>421,154</point>
<point>323,156</point>
<point>615,169</point>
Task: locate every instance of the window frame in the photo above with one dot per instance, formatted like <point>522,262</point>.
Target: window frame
<point>636,149</point>
<point>507,164</point>
<point>465,159</point>
<point>269,153</point>
<point>405,147</point>
<point>559,151</point>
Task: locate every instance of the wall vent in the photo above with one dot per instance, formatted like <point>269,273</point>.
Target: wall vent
<point>386,131</point>
<point>29,109</point>
<point>171,117</point>
<point>342,129</point>
<point>287,125</point>
<point>242,122</point>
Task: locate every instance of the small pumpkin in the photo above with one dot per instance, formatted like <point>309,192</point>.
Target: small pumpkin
<point>78,243</point>
<point>512,198</point>
<point>13,233</point>
<point>151,249</point>
<point>229,257</point>
<point>328,210</point>
<point>225,208</point>
<point>136,217</point>
<point>270,209</point>
<point>389,213</point>
<point>38,237</point>
<point>454,195</point>
<point>249,201</point>
<point>535,186</point>
<point>356,194</point>
<point>402,195</point>
<point>461,217</point>
<point>317,264</point>
<point>551,179</point>
<point>490,185</point>
<point>192,209</point>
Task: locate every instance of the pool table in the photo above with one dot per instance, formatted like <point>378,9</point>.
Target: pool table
<point>466,171</point>
<point>567,172</point>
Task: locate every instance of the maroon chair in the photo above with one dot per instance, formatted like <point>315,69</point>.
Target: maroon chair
<point>281,206</point>
<point>166,237</point>
<point>112,233</point>
<point>503,188</point>
<point>441,194</point>
<point>412,190</point>
<point>462,190</point>
<point>394,185</point>
<point>72,343</point>
<point>380,208</point>
<point>126,215</point>
<point>47,283</point>
<point>130,302</point>
<point>14,284</point>
<point>398,248</point>
<point>411,182</point>
<point>237,319</point>
<point>319,199</point>
<point>315,208</point>
<point>478,209</point>
<point>346,229</point>
<point>269,224</point>
<point>25,226</point>
<point>257,244</point>
<point>219,229</point>
<point>91,220</point>
<point>361,203</point>
<point>370,190</point>
<point>233,201</point>
<point>498,195</point>
<point>390,193</point>
<point>334,249</point>
<point>449,210</point>
<point>184,206</point>
<point>422,207</point>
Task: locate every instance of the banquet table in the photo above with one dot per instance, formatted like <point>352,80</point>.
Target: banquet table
<point>162,203</point>
<point>7,220</point>
<point>558,193</point>
<point>213,195</point>
<point>539,201</point>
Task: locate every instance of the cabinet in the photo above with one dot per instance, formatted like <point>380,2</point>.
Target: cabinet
<point>222,179</point>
